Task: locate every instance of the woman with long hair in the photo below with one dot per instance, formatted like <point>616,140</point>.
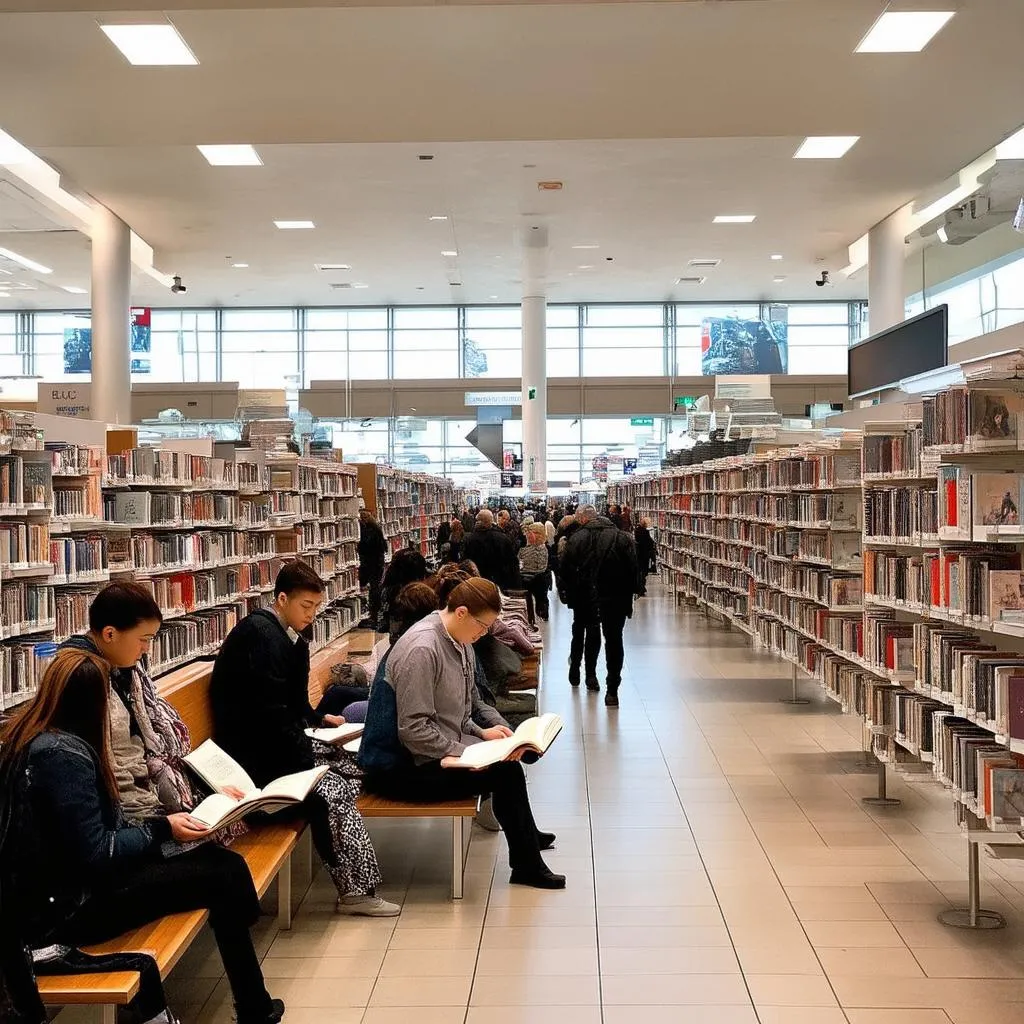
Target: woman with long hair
<point>421,719</point>
<point>406,566</point>
<point>76,873</point>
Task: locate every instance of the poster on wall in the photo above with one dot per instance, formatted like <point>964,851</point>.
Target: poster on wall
<point>78,345</point>
<point>142,339</point>
<point>730,345</point>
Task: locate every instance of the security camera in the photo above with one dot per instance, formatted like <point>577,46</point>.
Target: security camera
<point>823,280</point>
<point>177,287</point>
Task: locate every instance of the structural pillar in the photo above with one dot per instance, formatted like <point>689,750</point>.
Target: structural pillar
<point>887,244</point>
<point>111,398</point>
<point>535,371</point>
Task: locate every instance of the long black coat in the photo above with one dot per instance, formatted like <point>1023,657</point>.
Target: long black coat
<point>495,557</point>
<point>599,570</point>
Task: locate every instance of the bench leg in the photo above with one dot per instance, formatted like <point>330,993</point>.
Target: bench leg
<point>106,1014</point>
<point>458,856</point>
<point>284,895</point>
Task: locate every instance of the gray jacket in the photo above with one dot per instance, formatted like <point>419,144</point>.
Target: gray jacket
<point>433,677</point>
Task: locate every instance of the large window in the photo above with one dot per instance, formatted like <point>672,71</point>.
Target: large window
<point>426,343</point>
<point>492,345</point>
<point>12,362</point>
<point>624,341</point>
<point>563,339</point>
<point>260,348</point>
<point>346,344</point>
<point>184,347</point>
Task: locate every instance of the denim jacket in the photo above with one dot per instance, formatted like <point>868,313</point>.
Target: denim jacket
<point>70,838</point>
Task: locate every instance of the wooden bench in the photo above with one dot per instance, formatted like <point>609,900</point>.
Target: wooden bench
<point>267,849</point>
<point>461,812</point>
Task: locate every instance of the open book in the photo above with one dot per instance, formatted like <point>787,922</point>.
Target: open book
<point>336,735</point>
<point>536,734</point>
<point>218,770</point>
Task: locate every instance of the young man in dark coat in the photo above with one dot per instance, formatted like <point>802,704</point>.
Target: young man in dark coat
<point>599,578</point>
<point>373,550</point>
<point>259,694</point>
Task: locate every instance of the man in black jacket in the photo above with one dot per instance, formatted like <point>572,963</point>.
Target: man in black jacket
<point>598,576</point>
<point>373,550</point>
<point>492,552</point>
<point>259,695</point>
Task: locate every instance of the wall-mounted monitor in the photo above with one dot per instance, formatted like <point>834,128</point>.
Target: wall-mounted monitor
<point>914,346</point>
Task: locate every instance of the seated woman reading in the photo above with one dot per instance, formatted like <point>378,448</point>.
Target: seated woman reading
<point>420,720</point>
<point>76,873</point>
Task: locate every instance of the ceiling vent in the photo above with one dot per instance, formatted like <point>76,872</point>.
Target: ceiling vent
<point>704,264</point>
<point>691,280</point>
<point>340,286</point>
<point>329,268</point>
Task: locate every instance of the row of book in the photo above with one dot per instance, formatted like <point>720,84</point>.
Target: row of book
<point>896,454</point>
<point>26,606</point>
<point>975,418</point>
<point>171,508</point>
<point>21,668</point>
<point>979,506</point>
<point>821,471</point>
<point>82,558</point>
<point>26,480</point>
<point>23,542</point>
<point>170,468</point>
<point>901,514</point>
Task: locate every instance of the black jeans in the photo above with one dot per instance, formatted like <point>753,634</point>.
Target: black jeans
<point>586,643</point>
<point>505,781</point>
<point>208,878</point>
<point>538,586</point>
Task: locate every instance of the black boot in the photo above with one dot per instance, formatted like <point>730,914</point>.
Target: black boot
<point>611,697</point>
<point>546,840</point>
<point>574,674</point>
<point>271,1015</point>
<point>539,878</point>
<point>592,683</point>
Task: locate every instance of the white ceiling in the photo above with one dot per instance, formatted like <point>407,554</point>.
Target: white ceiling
<point>656,116</point>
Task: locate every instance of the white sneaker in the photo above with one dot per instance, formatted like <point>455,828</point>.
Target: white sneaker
<point>367,906</point>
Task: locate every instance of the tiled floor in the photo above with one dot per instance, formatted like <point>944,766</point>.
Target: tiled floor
<point>721,869</point>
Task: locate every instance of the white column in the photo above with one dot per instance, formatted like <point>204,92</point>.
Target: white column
<point>535,390</point>
<point>887,243</point>
<point>111,398</point>
<point>535,371</point>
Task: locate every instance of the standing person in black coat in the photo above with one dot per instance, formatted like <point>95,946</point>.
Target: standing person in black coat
<point>646,555</point>
<point>259,694</point>
<point>372,550</point>
<point>599,574</point>
<point>493,552</point>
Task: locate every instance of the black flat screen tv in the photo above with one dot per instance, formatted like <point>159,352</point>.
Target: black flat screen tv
<point>909,348</point>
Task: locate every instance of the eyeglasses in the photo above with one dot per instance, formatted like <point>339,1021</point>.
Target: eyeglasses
<point>485,626</point>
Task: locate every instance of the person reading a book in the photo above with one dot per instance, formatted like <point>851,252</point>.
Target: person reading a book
<point>421,721</point>
<point>75,872</point>
<point>259,693</point>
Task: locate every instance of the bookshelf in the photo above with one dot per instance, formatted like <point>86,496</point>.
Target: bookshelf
<point>409,506</point>
<point>206,535</point>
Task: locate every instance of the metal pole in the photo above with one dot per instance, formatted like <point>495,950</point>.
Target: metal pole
<point>795,698</point>
<point>881,800</point>
<point>973,916</point>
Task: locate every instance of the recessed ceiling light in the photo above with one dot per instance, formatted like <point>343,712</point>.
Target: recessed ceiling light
<point>586,266</point>
<point>903,31</point>
<point>359,284</point>
<point>74,289</point>
<point>825,147</point>
<point>5,295</point>
<point>586,247</point>
<point>776,256</point>
<point>25,261</point>
<point>735,218</point>
<point>240,266</point>
<point>778,280</point>
<point>439,217</point>
<point>332,266</point>
<point>231,156</point>
<point>150,45</point>
<point>707,262</point>
<point>451,253</point>
<point>294,225</point>
<point>494,296</point>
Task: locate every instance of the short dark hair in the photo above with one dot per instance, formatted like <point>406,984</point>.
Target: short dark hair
<point>123,606</point>
<point>298,576</point>
<point>415,601</point>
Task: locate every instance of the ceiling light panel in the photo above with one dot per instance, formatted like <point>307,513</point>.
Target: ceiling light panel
<point>74,289</point>
<point>903,31</point>
<point>240,266</point>
<point>735,218</point>
<point>328,267</point>
<point>231,156</point>
<point>708,264</point>
<point>776,256</point>
<point>158,45</point>
<point>826,147</point>
<point>450,253</point>
<point>294,225</point>
<point>25,261</point>
<point>586,247</point>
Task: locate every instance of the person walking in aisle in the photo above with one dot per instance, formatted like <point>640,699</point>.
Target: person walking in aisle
<point>599,577</point>
<point>421,719</point>
<point>259,694</point>
<point>373,549</point>
<point>509,525</point>
<point>77,873</point>
<point>646,555</point>
<point>493,552</point>
<point>534,566</point>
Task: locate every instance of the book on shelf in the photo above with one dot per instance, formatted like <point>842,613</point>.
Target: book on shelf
<point>954,503</point>
<point>535,735</point>
<point>336,735</point>
<point>997,501</point>
<point>1004,790</point>
<point>994,418</point>
<point>1006,596</point>
<point>219,771</point>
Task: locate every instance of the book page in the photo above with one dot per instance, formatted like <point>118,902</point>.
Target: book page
<point>214,809</point>
<point>218,770</point>
<point>296,787</point>
<point>336,734</point>
<point>480,755</point>
<point>539,732</point>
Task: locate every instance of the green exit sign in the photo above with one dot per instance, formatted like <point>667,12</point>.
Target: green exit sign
<point>686,401</point>
<point>642,421</point>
